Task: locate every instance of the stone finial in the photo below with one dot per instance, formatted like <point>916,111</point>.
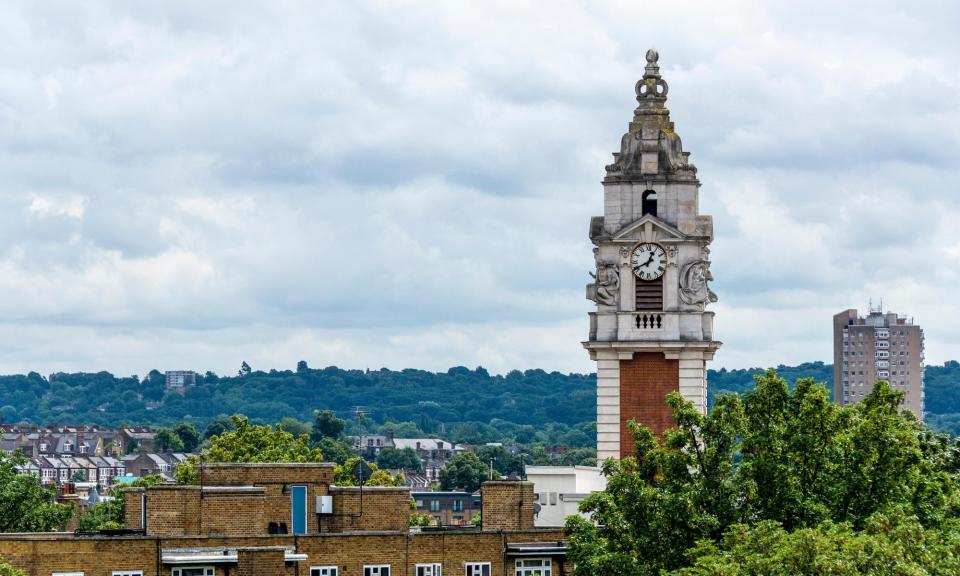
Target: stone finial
<point>652,89</point>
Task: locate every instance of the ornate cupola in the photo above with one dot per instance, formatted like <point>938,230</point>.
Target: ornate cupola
<point>651,332</point>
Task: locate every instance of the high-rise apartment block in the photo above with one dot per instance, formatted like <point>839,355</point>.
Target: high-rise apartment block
<point>881,346</point>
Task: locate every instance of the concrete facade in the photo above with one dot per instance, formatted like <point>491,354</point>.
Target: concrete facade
<point>880,346</point>
<point>558,490</point>
<point>649,336</point>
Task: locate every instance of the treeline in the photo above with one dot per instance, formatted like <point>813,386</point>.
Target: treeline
<point>461,404</point>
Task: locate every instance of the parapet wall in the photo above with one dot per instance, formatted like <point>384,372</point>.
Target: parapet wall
<point>507,505</point>
<point>384,508</point>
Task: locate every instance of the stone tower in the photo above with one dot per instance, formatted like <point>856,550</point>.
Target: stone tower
<point>651,333</point>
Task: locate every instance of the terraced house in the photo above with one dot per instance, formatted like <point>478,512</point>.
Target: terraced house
<point>291,519</point>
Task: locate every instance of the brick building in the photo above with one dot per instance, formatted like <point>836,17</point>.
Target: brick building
<point>448,508</point>
<point>290,520</point>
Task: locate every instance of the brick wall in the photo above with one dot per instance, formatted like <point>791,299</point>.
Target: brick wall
<point>263,474</point>
<point>42,555</point>
<point>235,513</point>
<point>265,561</point>
<point>507,505</point>
<point>132,508</point>
<point>384,508</point>
<point>645,382</point>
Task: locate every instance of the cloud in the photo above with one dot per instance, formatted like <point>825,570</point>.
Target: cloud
<point>409,184</point>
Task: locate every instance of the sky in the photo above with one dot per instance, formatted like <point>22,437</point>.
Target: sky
<point>191,185</point>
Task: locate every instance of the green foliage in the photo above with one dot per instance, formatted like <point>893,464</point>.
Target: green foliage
<point>250,443</point>
<point>892,544</point>
<point>25,505</point>
<point>218,426</point>
<point>518,406</point>
<point>420,519</point>
<point>326,424</point>
<point>794,459</point>
<point>402,430</point>
<point>188,434</point>
<point>294,426</point>
<point>343,475</point>
<point>166,439</point>
<point>109,513</point>
<point>78,476</point>
<point>335,450</point>
<point>466,471</point>
<point>8,570</point>
<point>245,442</point>
<point>476,519</point>
<point>403,459</point>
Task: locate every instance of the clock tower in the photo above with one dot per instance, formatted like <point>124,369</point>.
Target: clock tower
<point>651,333</point>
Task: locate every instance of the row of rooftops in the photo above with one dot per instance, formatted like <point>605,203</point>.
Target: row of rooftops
<point>71,440</point>
<point>101,469</point>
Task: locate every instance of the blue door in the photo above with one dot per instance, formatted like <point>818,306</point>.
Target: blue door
<point>298,511</point>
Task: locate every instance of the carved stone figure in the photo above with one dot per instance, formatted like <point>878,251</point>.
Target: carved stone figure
<point>694,288</point>
<point>606,288</point>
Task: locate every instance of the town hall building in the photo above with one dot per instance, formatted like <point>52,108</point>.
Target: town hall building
<point>651,333</point>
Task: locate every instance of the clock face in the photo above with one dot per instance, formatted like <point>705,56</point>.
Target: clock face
<point>648,261</point>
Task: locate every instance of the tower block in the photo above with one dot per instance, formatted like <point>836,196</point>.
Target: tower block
<point>651,333</point>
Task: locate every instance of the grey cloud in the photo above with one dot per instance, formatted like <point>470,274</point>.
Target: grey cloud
<point>365,184</point>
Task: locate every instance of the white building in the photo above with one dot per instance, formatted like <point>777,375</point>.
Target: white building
<point>560,489</point>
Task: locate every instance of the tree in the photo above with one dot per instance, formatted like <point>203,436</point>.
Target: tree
<point>343,475</point>
<point>302,367</point>
<point>294,426</point>
<point>25,505</point>
<point>402,459</point>
<point>188,434</point>
<point>8,570</point>
<point>245,369</point>
<point>109,513</point>
<point>218,426</point>
<point>326,424</point>
<point>166,439</point>
<point>78,476</point>
<point>794,459</point>
<point>250,443</point>
<point>891,543</point>
<point>335,450</point>
<point>466,471</point>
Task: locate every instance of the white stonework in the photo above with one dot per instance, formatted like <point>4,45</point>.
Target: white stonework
<point>651,164</point>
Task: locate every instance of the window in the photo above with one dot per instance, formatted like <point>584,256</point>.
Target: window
<point>381,570</point>
<point>434,505</point>
<point>428,570</point>
<point>128,573</point>
<point>534,567</point>
<point>478,569</point>
<point>193,571</point>
<point>649,203</point>
<point>323,571</point>
<point>458,505</point>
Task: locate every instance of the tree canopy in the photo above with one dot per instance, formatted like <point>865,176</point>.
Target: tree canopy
<point>26,505</point>
<point>792,459</point>
<point>246,442</point>
<point>465,471</point>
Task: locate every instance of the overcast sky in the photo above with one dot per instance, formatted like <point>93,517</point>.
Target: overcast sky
<point>409,184</point>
